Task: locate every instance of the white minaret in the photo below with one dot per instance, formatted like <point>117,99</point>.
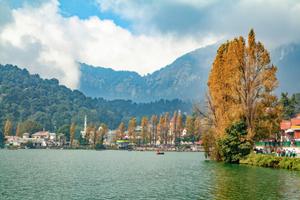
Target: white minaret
<point>83,133</point>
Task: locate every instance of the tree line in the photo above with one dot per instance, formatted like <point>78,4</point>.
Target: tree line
<point>162,129</point>
<point>27,100</point>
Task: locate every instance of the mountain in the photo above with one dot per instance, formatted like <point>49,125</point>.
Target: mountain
<point>185,78</point>
<point>287,59</point>
<point>28,97</point>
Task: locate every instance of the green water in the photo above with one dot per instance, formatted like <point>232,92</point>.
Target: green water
<point>67,174</point>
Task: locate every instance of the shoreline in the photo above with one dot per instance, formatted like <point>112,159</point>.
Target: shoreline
<point>271,161</point>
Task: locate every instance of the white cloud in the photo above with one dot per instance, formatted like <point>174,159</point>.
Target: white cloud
<point>40,39</point>
<point>276,22</point>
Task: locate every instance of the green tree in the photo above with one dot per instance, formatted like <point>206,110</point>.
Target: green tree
<point>189,125</point>
<point>289,105</point>
<point>30,126</point>
<point>65,129</point>
<point>235,145</point>
<point>2,139</point>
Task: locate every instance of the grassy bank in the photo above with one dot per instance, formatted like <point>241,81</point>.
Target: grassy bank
<point>271,161</point>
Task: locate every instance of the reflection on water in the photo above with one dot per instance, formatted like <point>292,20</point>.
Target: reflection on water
<point>246,182</point>
<point>67,174</point>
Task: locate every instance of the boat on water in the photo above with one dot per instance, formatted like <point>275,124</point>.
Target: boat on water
<point>160,152</point>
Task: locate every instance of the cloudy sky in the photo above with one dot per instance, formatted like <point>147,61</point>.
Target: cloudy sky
<point>51,37</point>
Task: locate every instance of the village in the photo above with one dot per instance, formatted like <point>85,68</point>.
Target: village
<point>109,140</point>
<point>287,140</point>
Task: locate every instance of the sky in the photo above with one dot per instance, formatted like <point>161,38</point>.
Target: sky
<point>52,37</point>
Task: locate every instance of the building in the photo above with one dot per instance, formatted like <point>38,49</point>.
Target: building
<point>41,135</point>
<point>290,129</point>
<point>84,131</point>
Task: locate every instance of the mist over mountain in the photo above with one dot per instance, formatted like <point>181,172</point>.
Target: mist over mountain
<point>185,78</point>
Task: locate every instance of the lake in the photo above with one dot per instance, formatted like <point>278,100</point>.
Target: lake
<point>83,174</point>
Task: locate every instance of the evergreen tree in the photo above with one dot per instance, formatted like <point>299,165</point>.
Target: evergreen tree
<point>189,125</point>
<point>289,105</point>
<point>2,139</point>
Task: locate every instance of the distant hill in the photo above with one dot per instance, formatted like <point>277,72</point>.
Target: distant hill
<point>28,97</point>
<point>287,59</point>
<point>185,78</point>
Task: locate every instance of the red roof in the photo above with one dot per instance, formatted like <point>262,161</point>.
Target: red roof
<point>285,124</point>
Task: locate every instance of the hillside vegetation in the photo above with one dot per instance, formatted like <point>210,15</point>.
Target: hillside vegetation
<point>29,97</point>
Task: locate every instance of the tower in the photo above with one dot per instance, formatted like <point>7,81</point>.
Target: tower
<point>83,133</point>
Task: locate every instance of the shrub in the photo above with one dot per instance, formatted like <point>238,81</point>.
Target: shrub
<point>235,146</point>
<point>272,161</point>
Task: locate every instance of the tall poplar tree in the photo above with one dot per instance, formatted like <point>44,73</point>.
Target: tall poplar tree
<point>121,131</point>
<point>154,121</point>
<point>72,133</point>
<point>131,130</point>
<point>18,130</point>
<point>179,126</point>
<point>145,132</point>
<point>8,128</point>
<point>241,85</point>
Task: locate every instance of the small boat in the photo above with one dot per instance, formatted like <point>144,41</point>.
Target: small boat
<point>159,152</point>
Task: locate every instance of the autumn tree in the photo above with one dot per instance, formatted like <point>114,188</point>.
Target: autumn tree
<point>72,133</point>
<point>166,128</point>
<point>160,129</point>
<point>154,121</point>
<point>179,126</point>
<point>145,132</point>
<point>173,126</point>
<point>18,130</point>
<point>91,135</point>
<point>7,127</point>
<point>241,85</point>
<point>102,132</point>
<point>131,130</point>
<point>121,131</point>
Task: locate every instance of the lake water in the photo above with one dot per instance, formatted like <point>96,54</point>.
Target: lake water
<point>76,174</point>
